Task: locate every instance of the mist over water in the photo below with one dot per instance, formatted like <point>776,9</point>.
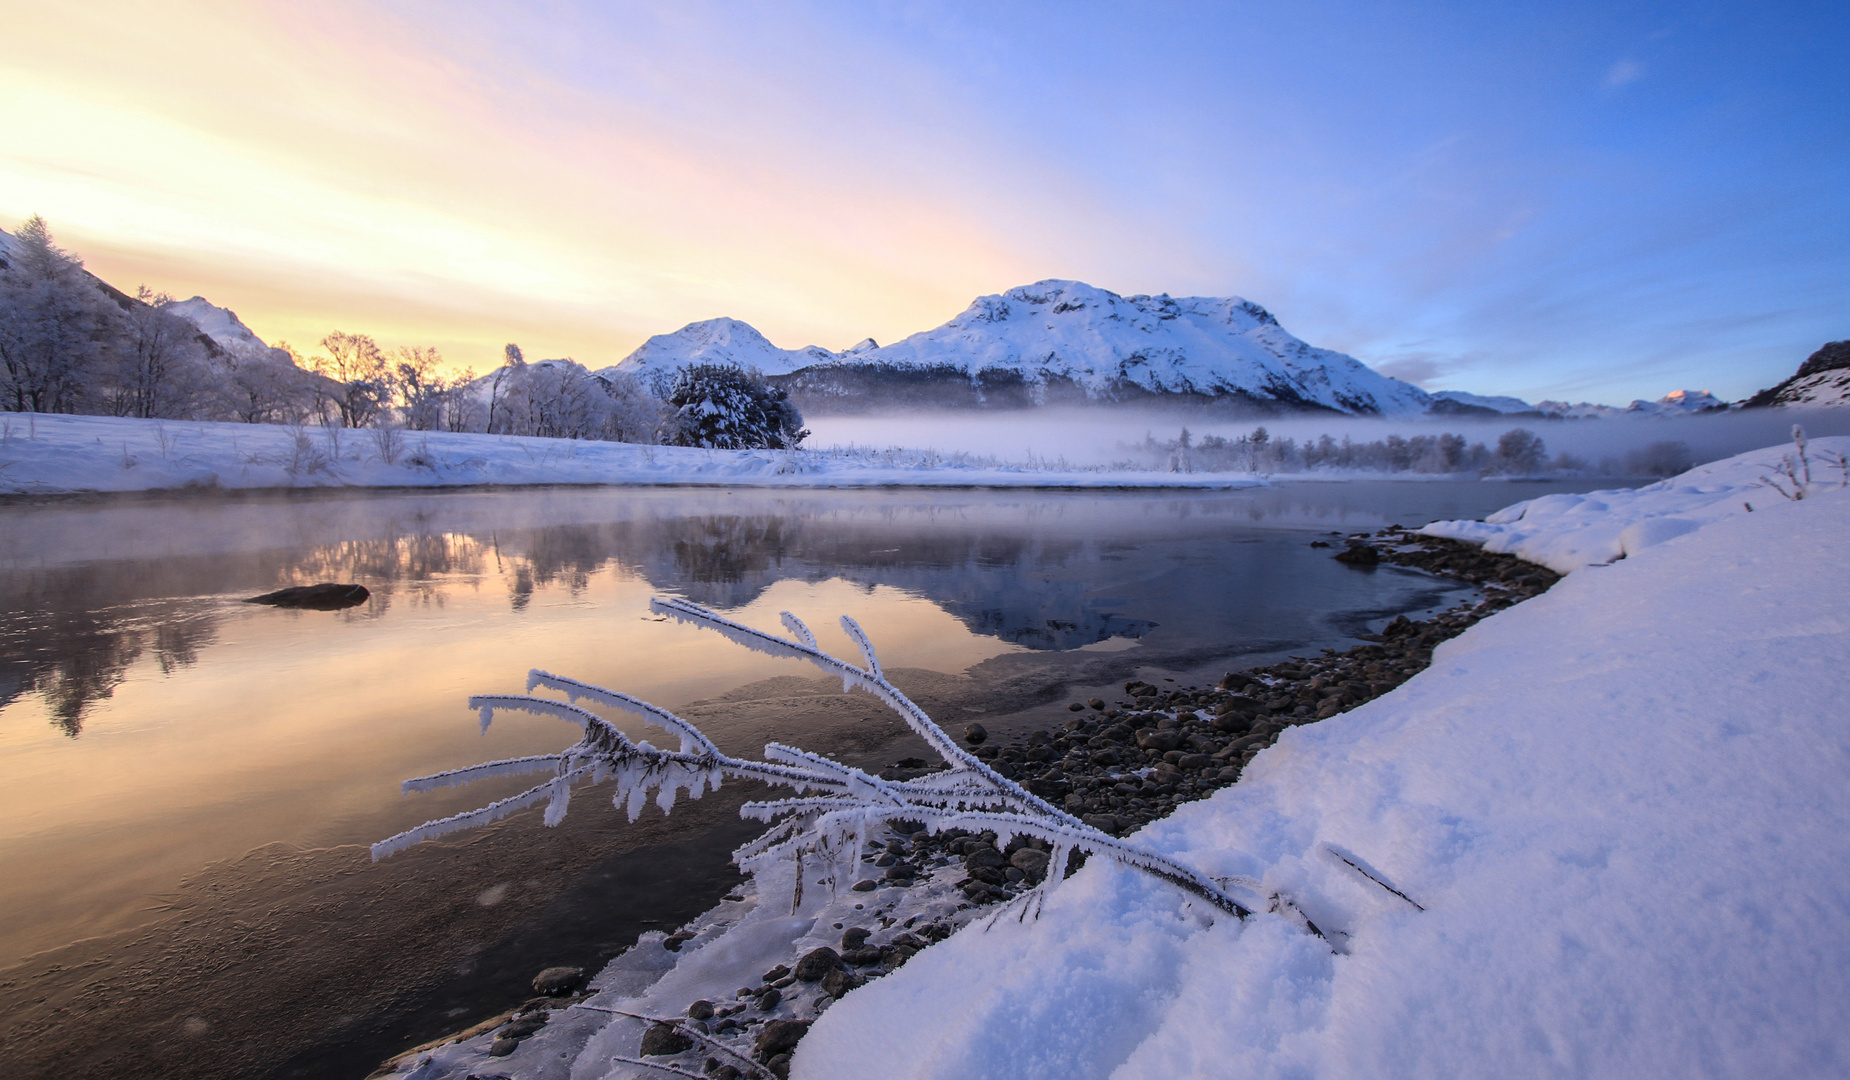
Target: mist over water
<point>1102,437</point>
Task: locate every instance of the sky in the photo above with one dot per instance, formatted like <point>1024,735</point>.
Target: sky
<point>1581,201</point>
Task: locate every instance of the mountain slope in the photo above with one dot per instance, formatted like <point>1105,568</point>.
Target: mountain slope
<point>220,324</point>
<point>716,341</point>
<point>1823,379</point>
<point>1065,338</point>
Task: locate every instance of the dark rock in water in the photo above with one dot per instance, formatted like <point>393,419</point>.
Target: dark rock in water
<point>700,1010</point>
<point>778,1037</point>
<point>559,981</point>
<point>769,999</point>
<point>816,963</point>
<point>326,596</point>
<point>865,885</point>
<point>1360,555</point>
<point>776,973</point>
<point>854,937</point>
<point>502,1047</point>
<point>663,1040</point>
<point>1234,680</point>
<point>523,1027</point>
<point>1076,707</point>
<point>975,733</point>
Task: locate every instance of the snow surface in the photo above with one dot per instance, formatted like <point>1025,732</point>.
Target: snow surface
<point>1568,532</point>
<point>1822,388</point>
<point>1096,338</point>
<point>42,454</point>
<point>1621,807</point>
<point>719,341</point>
<point>1499,404</point>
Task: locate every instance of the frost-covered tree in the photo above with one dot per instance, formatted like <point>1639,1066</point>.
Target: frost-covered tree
<point>359,382</point>
<point>1519,451</point>
<point>55,325</point>
<point>160,365</point>
<point>726,407</point>
<point>420,388</point>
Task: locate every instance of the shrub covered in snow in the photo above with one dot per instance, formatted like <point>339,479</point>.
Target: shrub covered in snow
<point>726,407</point>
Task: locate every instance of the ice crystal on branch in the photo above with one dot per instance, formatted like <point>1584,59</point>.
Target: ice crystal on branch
<point>826,824</point>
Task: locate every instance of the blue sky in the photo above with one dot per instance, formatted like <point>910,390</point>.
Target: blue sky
<point>1549,200</point>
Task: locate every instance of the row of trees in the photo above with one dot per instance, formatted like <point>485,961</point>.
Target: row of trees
<point>69,343</point>
<point>1518,452</point>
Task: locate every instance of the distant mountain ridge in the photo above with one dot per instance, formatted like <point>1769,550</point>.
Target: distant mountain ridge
<point>1057,341</point>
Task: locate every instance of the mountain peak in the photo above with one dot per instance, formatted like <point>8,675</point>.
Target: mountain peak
<point>220,324</point>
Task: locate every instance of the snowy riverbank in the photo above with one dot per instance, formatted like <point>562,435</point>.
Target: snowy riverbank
<point>1616,812</point>
<point>55,455</point>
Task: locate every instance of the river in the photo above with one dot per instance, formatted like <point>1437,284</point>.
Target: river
<point>190,780</point>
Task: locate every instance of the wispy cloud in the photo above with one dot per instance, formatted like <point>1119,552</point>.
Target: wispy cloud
<point>1625,72</point>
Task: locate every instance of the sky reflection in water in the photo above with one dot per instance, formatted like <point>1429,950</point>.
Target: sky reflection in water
<point>151,722</point>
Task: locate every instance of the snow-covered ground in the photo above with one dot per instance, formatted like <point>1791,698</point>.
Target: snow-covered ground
<point>1568,532</point>
<point>45,454</point>
<point>1621,810</point>
<point>1603,835</point>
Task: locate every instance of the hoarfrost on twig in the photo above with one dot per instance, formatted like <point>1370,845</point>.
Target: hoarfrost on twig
<point>835,806</point>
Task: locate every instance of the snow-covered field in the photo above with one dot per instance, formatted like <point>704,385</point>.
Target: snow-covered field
<point>1603,835</point>
<point>46,454</point>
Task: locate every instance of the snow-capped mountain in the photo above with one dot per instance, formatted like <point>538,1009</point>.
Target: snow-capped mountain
<point>1678,403</point>
<point>220,324</point>
<point>1058,339</point>
<point>1823,379</point>
<point>719,341</point>
<point>1463,403</point>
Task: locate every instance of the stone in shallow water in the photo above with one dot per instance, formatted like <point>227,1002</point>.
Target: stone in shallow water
<point>663,1040</point>
<point>326,596</point>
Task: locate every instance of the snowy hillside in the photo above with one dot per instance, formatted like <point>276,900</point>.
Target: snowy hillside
<point>220,324</point>
<point>717,341</point>
<point>1617,816</point>
<point>1823,379</point>
<point>1475,402</point>
<point>1066,334</point>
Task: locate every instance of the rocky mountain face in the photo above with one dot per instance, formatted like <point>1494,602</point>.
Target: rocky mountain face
<point>1823,379</point>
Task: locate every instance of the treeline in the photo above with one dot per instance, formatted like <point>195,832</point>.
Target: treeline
<point>71,343</point>
<point>1517,452</point>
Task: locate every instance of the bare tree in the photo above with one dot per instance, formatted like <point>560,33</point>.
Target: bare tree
<point>420,388</point>
<point>362,384</point>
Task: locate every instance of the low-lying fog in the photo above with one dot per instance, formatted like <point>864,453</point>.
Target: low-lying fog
<point>1140,437</point>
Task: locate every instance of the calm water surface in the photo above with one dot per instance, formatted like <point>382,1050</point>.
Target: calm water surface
<point>154,728</point>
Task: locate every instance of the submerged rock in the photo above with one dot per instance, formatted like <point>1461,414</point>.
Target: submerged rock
<point>327,596</point>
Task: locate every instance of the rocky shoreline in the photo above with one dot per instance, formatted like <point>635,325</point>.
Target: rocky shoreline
<point>1118,765</point>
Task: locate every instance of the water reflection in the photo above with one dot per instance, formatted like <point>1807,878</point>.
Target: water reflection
<point>75,617</point>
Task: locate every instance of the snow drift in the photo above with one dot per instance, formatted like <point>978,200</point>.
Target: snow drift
<point>1569,532</point>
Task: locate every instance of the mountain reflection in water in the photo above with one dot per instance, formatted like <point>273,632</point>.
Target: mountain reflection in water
<point>80,603</point>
